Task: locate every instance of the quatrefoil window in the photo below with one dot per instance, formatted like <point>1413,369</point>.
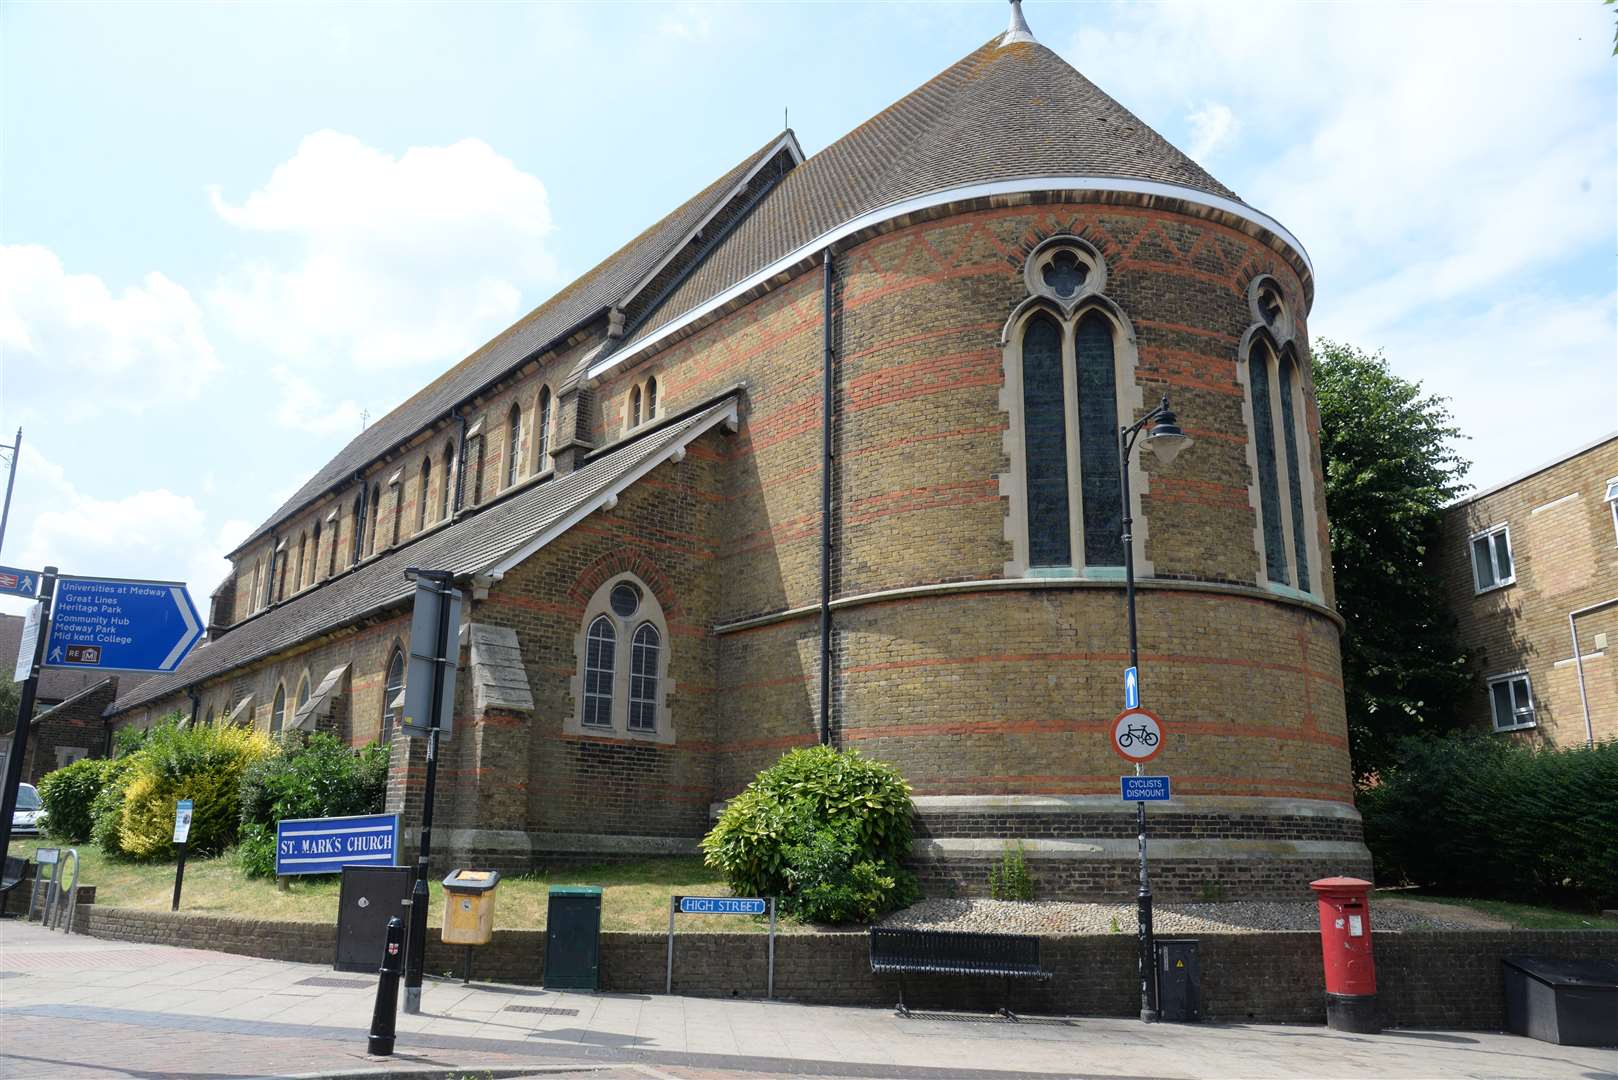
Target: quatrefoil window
<point>1065,274</point>
<point>1065,269</point>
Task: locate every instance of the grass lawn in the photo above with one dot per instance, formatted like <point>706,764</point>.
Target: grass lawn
<point>1525,916</point>
<point>635,894</point>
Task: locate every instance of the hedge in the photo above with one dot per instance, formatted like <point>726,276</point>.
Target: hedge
<point>1481,815</point>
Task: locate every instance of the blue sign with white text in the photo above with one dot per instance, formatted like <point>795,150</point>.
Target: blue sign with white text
<point>721,905</point>
<point>19,582</point>
<point>114,625</point>
<point>1131,688</point>
<point>326,845</point>
<point>1145,788</point>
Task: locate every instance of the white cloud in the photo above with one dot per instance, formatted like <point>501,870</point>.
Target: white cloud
<point>402,260</point>
<point>1442,163</point>
<point>154,534</point>
<point>1211,126</point>
<point>59,331</point>
<point>305,408</point>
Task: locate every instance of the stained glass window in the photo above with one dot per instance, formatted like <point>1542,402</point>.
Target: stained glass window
<point>1098,443</point>
<point>1289,431</point>
<point>1269,487</point>
<point>1045,445</point>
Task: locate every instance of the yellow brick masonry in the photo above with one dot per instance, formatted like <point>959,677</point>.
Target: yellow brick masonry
<point>1565,552</point>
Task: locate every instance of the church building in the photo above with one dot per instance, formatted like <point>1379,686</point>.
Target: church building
<point>830,453</point>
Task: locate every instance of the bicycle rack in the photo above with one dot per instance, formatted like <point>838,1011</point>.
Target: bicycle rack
<point>71,902</point>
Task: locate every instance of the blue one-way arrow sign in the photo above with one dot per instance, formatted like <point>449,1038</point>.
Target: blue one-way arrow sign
<point>19,582</point>
<point>1131,689</point>
<point>116,625</point>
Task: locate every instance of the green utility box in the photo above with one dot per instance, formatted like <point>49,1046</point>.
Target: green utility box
<point>573,938</point>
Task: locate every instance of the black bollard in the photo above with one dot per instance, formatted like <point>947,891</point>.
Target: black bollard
<point>384,1016</point>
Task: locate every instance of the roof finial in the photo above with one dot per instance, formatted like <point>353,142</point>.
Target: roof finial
<point>1018,30</point>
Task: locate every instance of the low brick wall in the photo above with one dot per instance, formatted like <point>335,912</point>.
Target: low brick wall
<point>1430,979</point>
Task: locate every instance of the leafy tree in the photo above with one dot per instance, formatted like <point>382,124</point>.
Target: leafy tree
<point>1391,466</point>
<point>10,698</point>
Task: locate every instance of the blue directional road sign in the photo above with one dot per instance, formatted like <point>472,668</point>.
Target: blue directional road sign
<point>326,845</point>
<point>1145,788</point>
<point>18,582</point>
<point>1131,688</point>
<point>722,905</point>
<point>114,625</point>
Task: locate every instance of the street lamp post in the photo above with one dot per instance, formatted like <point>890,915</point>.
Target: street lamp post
<point>1166,440</point>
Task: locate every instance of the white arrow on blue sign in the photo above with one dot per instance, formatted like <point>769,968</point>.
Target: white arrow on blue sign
<point>115,625</point>
<point>18,582</point>
<point>1131,688</point>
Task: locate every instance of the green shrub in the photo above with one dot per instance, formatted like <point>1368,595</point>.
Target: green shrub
<point>1479,815</point>
<point>824,832</point>
<point>306,778</point>
<point>68,794</point>
<point>107,809</point>
<point>202,763</point>
<point>1011,880</point>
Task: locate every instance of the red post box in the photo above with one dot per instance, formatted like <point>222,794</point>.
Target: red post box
<point>1345,946</point>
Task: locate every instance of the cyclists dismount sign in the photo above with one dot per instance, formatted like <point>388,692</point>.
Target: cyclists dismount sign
<point>1137,735</point>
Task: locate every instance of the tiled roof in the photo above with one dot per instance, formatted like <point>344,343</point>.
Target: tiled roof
<point>585,298</point>
<point>1001,113</point>
<point>471,545</point>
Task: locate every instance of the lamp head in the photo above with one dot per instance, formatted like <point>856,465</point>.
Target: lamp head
<point>1166,438</point>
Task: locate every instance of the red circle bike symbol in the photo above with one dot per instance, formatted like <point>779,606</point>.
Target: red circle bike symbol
<point>1137,735</point>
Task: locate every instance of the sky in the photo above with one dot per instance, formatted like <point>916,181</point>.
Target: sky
<point>232,233</point>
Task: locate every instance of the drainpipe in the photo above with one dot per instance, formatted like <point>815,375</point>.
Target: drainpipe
<point>825,501</point>
<point>1578,663</point>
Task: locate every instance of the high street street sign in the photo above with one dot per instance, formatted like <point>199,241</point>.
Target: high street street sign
<point>19,582</point>
<point>115,625</point>
<point>722,905</point>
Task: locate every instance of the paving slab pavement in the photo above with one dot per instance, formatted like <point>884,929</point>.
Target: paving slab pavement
<point>73,1006</point>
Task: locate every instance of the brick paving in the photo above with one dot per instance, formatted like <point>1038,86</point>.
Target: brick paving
<point>74,1007</point>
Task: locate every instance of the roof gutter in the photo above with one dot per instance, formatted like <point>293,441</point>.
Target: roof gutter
<point>998,189</point>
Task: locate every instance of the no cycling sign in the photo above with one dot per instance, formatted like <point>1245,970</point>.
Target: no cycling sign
<point>1137,735</point>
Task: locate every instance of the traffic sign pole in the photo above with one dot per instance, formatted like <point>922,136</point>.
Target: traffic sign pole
<point>25,711</point>
<point>416,946</point>
<point>1143,896</point>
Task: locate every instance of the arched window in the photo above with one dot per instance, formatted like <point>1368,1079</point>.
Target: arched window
<point>278,712</point>
<point>393,693</point>
<point>303,693</point>
<point>303,562</point>
<point>600,664</point>
<point>542,430</point>
<point>314,556</point>
<point>622,694</point>
<point>398,510</point>
<point>336,541</point>
<point>358,529</point>
<point>447,495</point>
<point>643,679</point>
<point>1098,442</point>
<point>375,510</point>
<point>1045,444</point>
<point>421,491</point>
<point>474,465</point>
<point>252,592</point>
<point>634,406</point>
<point>1259,369</point>
<point>513,444</point>
<point>1289,433</point>
<point>284,558</point>
<point>651,397</point>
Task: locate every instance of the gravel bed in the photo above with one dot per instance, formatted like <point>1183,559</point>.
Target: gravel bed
<point>1060,917</point>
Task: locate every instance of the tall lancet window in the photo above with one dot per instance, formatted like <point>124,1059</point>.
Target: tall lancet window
<point>1045,444</point>
<point>1289,431</point>
<point>542,430</point>
<point>1269,484</point>
<point>1098,442</point>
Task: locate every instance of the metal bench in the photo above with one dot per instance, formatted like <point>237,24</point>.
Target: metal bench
<point>14,872</point>
<point>899,951</point>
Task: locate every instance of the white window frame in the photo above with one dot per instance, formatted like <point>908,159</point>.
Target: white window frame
<point>67,755</point>
<point>650,611</point>
<point>1612,505</point>
<point>1532,712</point>
<point>1494,563</point>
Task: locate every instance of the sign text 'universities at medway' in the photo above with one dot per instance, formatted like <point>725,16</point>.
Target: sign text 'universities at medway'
<point>326,845</point>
